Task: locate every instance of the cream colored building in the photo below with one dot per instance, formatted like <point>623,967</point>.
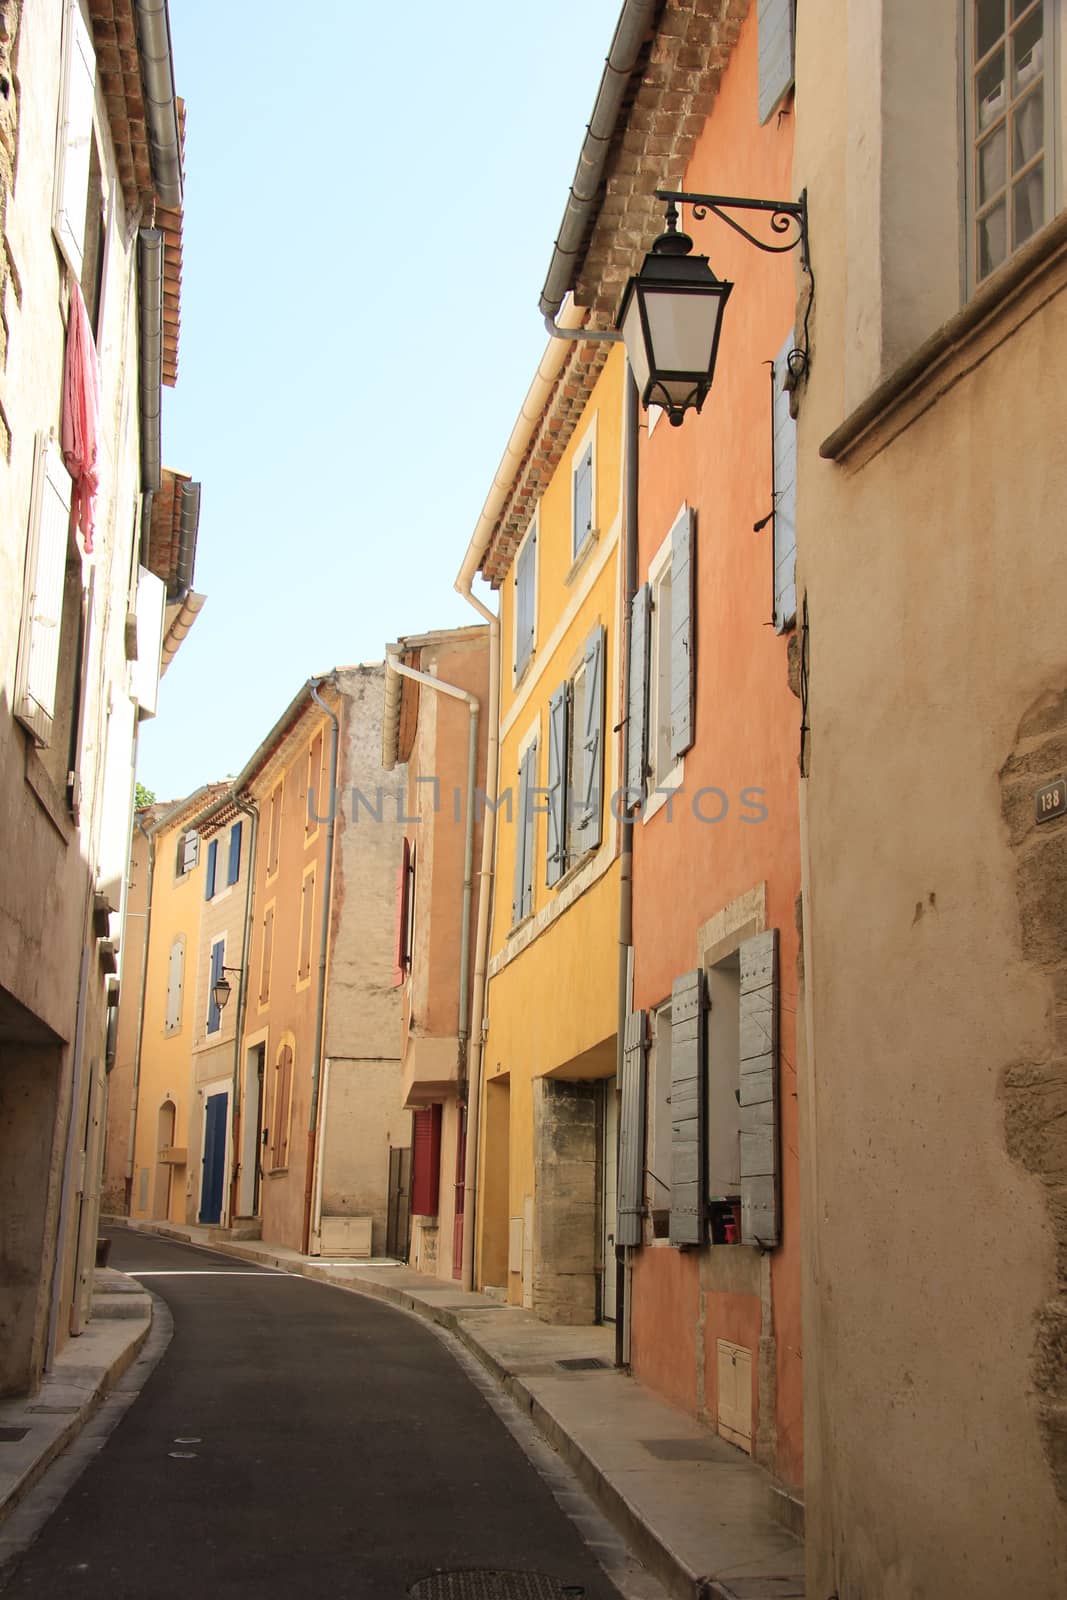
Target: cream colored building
<point>932,487</point>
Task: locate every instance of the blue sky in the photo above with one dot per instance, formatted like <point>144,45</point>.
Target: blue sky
<point>372,193</point>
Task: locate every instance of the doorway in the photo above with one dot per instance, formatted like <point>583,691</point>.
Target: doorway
<point>164,1160</point>
<point>608,1296</point>
<point>216,1107</point>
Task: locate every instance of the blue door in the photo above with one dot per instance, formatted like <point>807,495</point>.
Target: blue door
<point>214,1157</point>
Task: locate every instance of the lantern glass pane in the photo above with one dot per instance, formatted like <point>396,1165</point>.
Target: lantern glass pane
<point>634,340</point>
<point>683,328</point>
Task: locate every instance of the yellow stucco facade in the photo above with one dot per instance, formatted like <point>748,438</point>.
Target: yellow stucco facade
<point>553,989</point>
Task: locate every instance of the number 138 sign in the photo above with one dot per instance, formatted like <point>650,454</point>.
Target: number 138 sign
<point>1051,801</point>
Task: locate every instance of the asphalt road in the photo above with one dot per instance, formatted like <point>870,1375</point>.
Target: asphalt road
<point>296,1440</point>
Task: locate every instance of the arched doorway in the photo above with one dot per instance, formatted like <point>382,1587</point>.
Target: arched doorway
<point>164,1169</point>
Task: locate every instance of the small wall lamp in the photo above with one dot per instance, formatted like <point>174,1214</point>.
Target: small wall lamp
<point>221,988</point>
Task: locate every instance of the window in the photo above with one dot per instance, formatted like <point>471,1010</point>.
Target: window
<point>777,28</point>
<point>576,762</point>
<point>266,954</point>
<point>314,787</point>
<point>175,978</point>
<point>73,164</point>
<point>274,831</point>
<point>525,600</point>
<point>233,866</point>
<point>211,869</point>
<point>658,1149</point>
<point>426,1161</point>
<point>405,913</point>
<point>307,915</point>
<point>1009,117</point>
<point>525,835</point>
<point>784,519</point>
<point>582,497</point>
<point>218,957</point>
<point>282,1110</point>
<point>661,712</point>
<point>188,852</point>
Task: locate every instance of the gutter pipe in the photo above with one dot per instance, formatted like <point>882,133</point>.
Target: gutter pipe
<point>157,76</point>
<point>631,426</point>
<point>135,1091</point>
<point>583,199</point>
<point>395,665</point>
<point>188,527</point>
<point>150,352</point>
<point>313,686</point>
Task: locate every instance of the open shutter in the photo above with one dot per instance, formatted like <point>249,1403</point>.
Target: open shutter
<point>687,1109</point>
<point>75,139</point>
<point>525,572</point>
<point>590,821</point>
<point>42,614</point>
<point>233,867</point>
<point>784,520</point>
<point>426,1161</point>
<point>632,1132</point>
<point>776,27</point>
<point>151,607</point>
<point>402,881</point>
<point>211,869</point>
<point>522,896</point>
<point>637,695</point>
<point>583,498</point>
<point>760,1209</point>
<point>683,634</point>
<point>558,799</point>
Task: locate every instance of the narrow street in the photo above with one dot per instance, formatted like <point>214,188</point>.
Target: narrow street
<point>296,1440</point>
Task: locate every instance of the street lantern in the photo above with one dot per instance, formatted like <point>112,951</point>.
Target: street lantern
<point>221,989</point>
<point>671,313</point>
<point>671,319</point>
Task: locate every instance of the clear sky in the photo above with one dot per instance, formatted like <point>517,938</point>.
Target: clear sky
<point>372,193</point>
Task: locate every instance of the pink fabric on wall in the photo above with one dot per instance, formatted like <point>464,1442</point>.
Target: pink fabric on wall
<point>81,414</point>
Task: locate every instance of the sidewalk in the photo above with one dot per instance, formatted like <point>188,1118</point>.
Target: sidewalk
<point>695,1510</point>
<point>34,1431</point>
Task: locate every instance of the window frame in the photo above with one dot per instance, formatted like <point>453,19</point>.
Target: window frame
<point>183,866</point>
<point>282,1165</point>
<point>531,536</point>
<point>214,1011</point>
<point>659,683</point>
<point>585,446</point>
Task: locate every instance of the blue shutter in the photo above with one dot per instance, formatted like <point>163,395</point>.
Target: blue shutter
<point>683,634</point>
<point>583,498</point>
<point>776,44</point>
<point>233,871</point>
<point>688,1109</point>
<point>214,1015</point>
<point>637,695</point>
<point>556,850</point>
<point>212,863</point>
<point>784,521</point>
<point>590,821</point>
<point>758,1090</point>
<point>632,1132</point>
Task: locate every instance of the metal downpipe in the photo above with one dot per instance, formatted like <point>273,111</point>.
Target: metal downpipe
<point>314,685</point>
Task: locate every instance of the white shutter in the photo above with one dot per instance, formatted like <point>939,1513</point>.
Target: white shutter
<point>683,549</point>
<point>151,612</point>
<point>42,613</point>
<point>631,1177</point>
<point>590,822</point>
<point>776,27</point>
<point>75,138</point>
<point>760,1207</point>
<point>558,799</point>
<point>784,521</point>
<point>637,695</point>
<point>175,974</point>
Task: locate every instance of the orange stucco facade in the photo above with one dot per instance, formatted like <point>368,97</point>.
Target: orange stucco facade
<point>688,871</point>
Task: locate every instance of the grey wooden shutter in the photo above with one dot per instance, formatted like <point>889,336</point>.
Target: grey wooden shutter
<point>760,1208</point>
<point>632,1132</point>
<point>525,571</point>
<point>529,835</point>
<point>518,896</point>
<point>46,570</point>
<point>75,138</point>
<point>556,855</point>
<point>175,974</point>
<point>591,819</point>
<point>785,498</point>
<point>583,498</point>
<point>776,26</point>
<point>687,1109</point>
<point>637,693</point>
<point>683,634</point>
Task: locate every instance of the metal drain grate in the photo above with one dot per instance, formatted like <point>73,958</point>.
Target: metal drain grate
<point>584,1364</point>
<point>494,1586</point>
<point>12,1435</point>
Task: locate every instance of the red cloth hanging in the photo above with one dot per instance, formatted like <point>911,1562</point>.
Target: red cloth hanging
<point>81,414</point>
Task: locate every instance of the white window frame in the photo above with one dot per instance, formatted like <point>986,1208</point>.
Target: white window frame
<point>659,569</point>
<point>208,1029</point>
<point>532,532</point>
<point>188,866</point>
<point>588,441</point>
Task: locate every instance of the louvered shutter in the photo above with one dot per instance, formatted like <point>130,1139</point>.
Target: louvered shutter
<point>583,498</point>
<point>266,955</point>
<point>75,140</point>
<point>42,615</point>
<point>637,695</point>
<point>632,1132</point>
<point>776,28</point>
<point>687,1109</point>
<point>402,881</point>
<point>558,799</point>
<point>522,895</point>
<point>233,868</point>
<point>591,818</point>
<point>426,1161</point>
<point>683,633</point>
<point>212,865</point>
<point>214,1015</point>
<point>525,571</point>
<point>283,1096</point>
<point>760,1210</point>
<point>785,498</point>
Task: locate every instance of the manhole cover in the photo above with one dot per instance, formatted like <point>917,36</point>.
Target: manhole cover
<point>494,1586</point>
<point>583,1364</point>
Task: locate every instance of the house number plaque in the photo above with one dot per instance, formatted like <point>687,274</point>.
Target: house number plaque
<point>1051,801</point>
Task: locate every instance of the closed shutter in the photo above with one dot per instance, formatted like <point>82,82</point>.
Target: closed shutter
<point>233,867</point>
<point>590,821</point>
<point>307,913</point>
<point>687,1109</point>
<point>522,892</point>
<point>683,634</point>
<point>283,1098</point>
<point>266,955</point>
<point>558,799</point>
<point>760,1209</point>
<point>426,1161</point>
<point>214,1015</point>
<point>776,31</point>
<point>212,865</point>
<point>175,973</point>
<point>42,614</point>
<point>274,832</point>
<point>637,695</point>
<point>583,498</point>
<point>784,521</point>
<point>400,951</point>
<point>75,139</point>
<point>314,785</point>
<point>632,1132</point>
<point>525,611</point>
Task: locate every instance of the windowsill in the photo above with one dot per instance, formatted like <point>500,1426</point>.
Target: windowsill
<point>581,555</point>
<point>47,795</point>
<point>579,863</point>
<point>277,1172</point>
<point>1006,300</point>
<point>671,781</point>
<point>519,678</point>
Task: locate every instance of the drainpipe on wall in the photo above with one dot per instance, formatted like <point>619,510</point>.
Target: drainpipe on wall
<point>134,1092</point>
<point>314,685</point>
<point>631,434</point>
<point>150,353</point>
<point>157,64</point>
<point>250,810</point>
